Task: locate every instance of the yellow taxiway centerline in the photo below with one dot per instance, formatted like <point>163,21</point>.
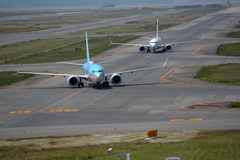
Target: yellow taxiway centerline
<point>64,110</point>
<point>189,119</point>
<point>17,112</point>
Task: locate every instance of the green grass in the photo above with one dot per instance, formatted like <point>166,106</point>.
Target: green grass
<point>184,16</point>
<point>4,30</point>
<point>223,73</point>
<point>232,49</point>
<point>234,34</point>
<point>149,25</point>
<point>207,145</point>
<point>234,105</point>
<point>53,50</point>
<point>85,16</point>
<point>128,28</point>
<point>237,26</point>
<point>6,78</point>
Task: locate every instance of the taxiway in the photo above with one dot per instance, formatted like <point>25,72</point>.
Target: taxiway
<point>144,101</point>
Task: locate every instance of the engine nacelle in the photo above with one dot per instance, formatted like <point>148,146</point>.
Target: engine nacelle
<point>116,79</point>
<point>168,47</point>
<point>73,81</point>
<point>142,48</point>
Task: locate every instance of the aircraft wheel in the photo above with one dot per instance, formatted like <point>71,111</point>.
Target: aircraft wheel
<point>80,85</point>
<point>98,85</point>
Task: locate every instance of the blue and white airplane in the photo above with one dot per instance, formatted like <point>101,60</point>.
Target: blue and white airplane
<point>93,72</point>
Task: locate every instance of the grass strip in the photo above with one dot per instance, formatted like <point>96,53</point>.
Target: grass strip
<point>234,34</point>
<point>223,73</point>
<point>209,145</point>
<point>232,49</point>
<point>237,26</point>
<point>192,13</point>
<point>234,105</point>
<point>5,30</point>
<point>119,29</point>
<point>53,50</point>
<point>6,78</point>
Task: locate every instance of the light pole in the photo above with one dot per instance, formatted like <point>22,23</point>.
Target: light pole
<point>120,155</point>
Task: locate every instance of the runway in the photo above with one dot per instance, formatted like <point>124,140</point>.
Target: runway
<point>47,106</point>
<point>14,38</point>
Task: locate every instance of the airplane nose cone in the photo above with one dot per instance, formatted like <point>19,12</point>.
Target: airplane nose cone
<point>97,77</point>
<point>153,45</point>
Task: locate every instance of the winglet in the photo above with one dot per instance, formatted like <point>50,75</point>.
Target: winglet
<point>15,74</point>
<point>157,29</point>
<point>88,58</point>
<point>110,41</point>
<point>17,71</point>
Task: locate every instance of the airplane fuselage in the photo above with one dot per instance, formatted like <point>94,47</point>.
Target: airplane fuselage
<point>155,43</point>
<point>94,72</point>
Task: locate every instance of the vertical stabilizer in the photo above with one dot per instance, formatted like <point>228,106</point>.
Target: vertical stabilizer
<point>87,49</point>
<point>157,29</point>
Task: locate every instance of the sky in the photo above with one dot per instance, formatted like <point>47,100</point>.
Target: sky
<point>33,4</point>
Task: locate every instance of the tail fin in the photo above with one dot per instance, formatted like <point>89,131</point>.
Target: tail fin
<point>87,49</point>
<point>157,29</point>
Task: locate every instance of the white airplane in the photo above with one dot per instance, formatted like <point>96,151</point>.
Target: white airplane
<point>155,43</point>
<point>93,72</point>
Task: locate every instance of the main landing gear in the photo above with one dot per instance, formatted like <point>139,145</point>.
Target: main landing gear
<point>105,83</point>
<point>148,50</point>
<point>80,84</point>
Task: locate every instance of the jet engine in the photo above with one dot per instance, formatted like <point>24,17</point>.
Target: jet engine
<point>142,48</point>
<point>168,47</point>
<point>116,79</point>
<point>73,81</point>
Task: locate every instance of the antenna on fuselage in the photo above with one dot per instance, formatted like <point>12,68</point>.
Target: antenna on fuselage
<point>88,58</point>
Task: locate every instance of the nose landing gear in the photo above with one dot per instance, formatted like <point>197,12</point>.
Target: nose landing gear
<point>106,82</point>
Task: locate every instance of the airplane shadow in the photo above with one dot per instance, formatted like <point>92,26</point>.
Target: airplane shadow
<point>145,84</point>
<point>111,86</point>
<point>157,52</point>
<point>93,85</point>
<point>161,52</point>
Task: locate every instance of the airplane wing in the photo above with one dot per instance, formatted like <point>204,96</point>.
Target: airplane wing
<point>53,74</point>
<point>129,44</point>
<point>163,45</point>
<point>159,37</point>
<point>78,64</point>
<point>183,41</point>
<point>105,62</point>
<point>136,70</point>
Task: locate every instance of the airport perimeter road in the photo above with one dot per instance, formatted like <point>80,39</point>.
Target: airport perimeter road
<point>144,101</point>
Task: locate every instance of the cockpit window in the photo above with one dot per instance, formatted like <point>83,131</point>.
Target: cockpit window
<point>97,71</point>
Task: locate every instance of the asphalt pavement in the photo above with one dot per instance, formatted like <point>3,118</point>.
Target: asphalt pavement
<point>47,106</point>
